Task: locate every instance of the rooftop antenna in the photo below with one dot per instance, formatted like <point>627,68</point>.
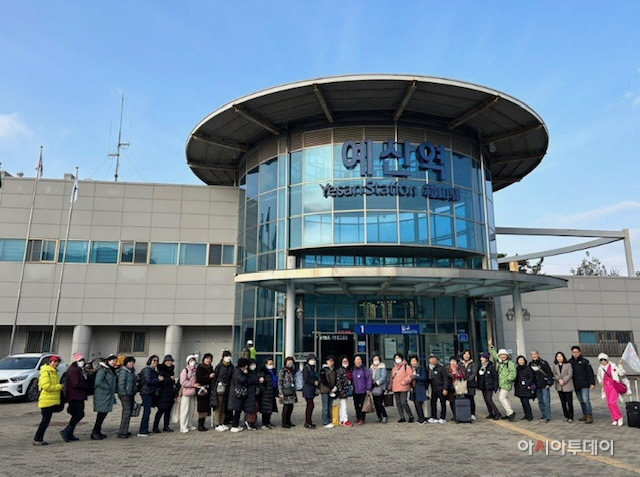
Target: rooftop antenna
<point>120,143</point>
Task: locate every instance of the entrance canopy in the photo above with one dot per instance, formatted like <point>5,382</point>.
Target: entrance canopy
<point>402,281</point>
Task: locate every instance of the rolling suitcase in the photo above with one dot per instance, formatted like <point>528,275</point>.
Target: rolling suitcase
<point>633,410</point>
<point>462,406</point>
<point>335,419</point>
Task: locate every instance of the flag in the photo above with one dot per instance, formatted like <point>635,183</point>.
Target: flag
<point>39,166</point>
<point>74,191</point>
<point>631,357</point>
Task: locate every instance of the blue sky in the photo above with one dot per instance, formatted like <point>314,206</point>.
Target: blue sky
<point>64,66</point>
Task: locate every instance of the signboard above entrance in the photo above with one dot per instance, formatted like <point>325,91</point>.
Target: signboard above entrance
<point>383,329</point>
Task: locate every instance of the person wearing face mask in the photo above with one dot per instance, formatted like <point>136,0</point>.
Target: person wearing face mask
<point>310,378</point>
<point>188,395</point>
<point>205,390</point>
<point>437,378</point>
<point>220,391</point>
<point>150,381</point>
<point>287,391</point>
<point>268,384</point>
<point>252,386</point>
<point>327,390</point>
<point>343,383</point>
<point>239,398</point>
<point>361,377</point>
<point>104,394</point>
<point>76,392</point>
<point>378,371</point>
<point>400,384</point>
<point>126,391</point>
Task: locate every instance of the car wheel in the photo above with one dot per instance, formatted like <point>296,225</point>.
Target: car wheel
<point>32,391</point>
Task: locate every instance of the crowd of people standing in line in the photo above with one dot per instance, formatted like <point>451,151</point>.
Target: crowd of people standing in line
<point>231,391</point>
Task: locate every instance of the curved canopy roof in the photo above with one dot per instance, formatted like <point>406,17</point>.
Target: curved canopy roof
<point>514,137</point>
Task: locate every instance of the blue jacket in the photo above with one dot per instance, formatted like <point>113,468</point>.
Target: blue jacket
<point>361,379</point>
<point>420,385</point>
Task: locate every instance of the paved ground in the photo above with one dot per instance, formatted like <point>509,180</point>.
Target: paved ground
<point>483,448</point>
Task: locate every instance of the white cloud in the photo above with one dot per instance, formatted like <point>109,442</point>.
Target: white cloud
<point>12,126</point>
<point>589,216</point>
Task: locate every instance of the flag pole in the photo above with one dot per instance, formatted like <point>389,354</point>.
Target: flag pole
<point>14,327</point>
<point>74,196</point>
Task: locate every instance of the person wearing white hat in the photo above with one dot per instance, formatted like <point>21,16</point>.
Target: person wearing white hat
<point>249,351</point>
<point>506,376</point>
<point>608,375</point>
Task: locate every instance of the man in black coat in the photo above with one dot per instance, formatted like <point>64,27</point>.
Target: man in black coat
<point>165,396</point>
<point>543,379</point>
<point>437,379</point>
<point>583,381</point>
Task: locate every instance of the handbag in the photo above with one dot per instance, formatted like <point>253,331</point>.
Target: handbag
<point>388,400</point>
<point>135,409</point>
<point>620,387</point>
<point>175,412</point>
<point>460,386</point>
<point>221,388</point>
<point>289,390</point>
<point>367,405</point>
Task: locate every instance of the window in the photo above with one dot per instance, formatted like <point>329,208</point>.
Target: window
<point>613,343</point>
<point>221,254</point>
<point>193,254</point>
<point>132,342</point>
<point>134,252</point>
<point>38,341</point>
<point>163,253</point>
<point>77,251</point>
<point>41,250</point>
<point>103,252</point>
<point>12,250</point>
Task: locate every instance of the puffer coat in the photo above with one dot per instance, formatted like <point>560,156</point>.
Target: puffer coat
<point>105,390</point>
<point>50,387</point>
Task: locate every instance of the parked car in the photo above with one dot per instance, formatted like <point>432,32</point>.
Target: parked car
<point>19,375</point>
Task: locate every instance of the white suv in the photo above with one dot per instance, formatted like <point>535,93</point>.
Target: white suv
<point>19,374</point>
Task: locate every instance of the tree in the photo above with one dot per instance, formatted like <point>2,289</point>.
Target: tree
<point>523,266</point>
<point>592,266</point>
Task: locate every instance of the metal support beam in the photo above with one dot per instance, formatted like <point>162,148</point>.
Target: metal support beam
<point>221,143</point>
<point>323,102</point>
<point>627,253</point>
<point>510,134</point>
<point>254,118</point>
<point>559,251</point>
<point>405,100</point>
<point>196,165</point>
<point>477,109</point>
<point>560,232</point>
<point>499,160</point>
<point>343,286</point>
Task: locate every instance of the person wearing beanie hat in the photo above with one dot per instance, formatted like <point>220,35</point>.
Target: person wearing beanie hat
<point>164,401</point>
<point>188,395</point>
<point>506,376</point>
<point>126,393</point>
<point>76,390</point>
<point>608,375</point>
<point>488,384</point>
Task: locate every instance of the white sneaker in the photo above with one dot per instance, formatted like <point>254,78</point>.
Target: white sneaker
<point>220,428</point>
<point>237,429</point>
<point>192,428</point>
<point>147,435</point>
<point>328,426</point>
<point>184,431</point>
<point>441,421</point>
<point>620,421</point>
<point>431,420</point>
<point>225,427</point>
<point>614,423</point>
<point>473,417</point>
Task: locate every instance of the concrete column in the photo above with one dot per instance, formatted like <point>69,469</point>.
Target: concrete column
<point>173,342</point>
<point>81,342</point>
<point>518,321</point>
<point>290,313</point>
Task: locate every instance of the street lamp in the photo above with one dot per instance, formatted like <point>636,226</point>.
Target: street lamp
<point>511,314</point>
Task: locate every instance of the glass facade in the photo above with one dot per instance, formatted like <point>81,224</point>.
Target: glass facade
<point>420,202</point>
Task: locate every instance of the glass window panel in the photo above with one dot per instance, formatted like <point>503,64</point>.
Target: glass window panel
<point>34,250</point>
<point>349,228</point>
<point>317,229</point>
<point>465,236</point>
<point>215,254</point>
<point>295,232</point>
<point>318,164</point>
<point>348,203</point>
<point>344,307</point>
<point>387,202</point>
<point>426,308</point>
<point>296,167</point>
<point>440,206</point>
<point>464,208</point>
<point>314,200</point>
<point>462,170</point>
<point>139,341</point>
<point>252,213</point>
<point>476,175</point>
<point>163,253</point>
<point>444,308</point>
<point>381,227</point>
<point>248,301</point>
<point>441,230</point>
<point>252,182</point>
<point>458,263</point>
<point>413,228</point>
<point>461,311</point>
<point>442,263</point>
<point>141,252</point>
<point>447,327</point>
<point>587,337</point>
<point>193,254</point>
<point>326,325</point>
<point>264,335</point>
<point>77,251</point>
<point>378,164</point>
<point>269,175</point>
<point>12,250</point>
<point>282,210</point>
<point>49,250</point>
<point>103,252</point>
<point>282,170</point>
<point>267,237</point>
<point>339,169</point>
<point>266,301</point>
<point>126,252</point>
<point>325,306</point>
<point>295,200</point>
<point>418,202</point>
<point>228,254</point>
<point>268,203</point>
<point>345,261</point>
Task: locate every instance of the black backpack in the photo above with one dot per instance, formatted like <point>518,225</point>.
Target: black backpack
<point>91,383</point>
<point>137,385</point>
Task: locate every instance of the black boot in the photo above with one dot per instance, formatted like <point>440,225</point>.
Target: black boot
<point>66,435</point>
<point>156,424</point>
<point>201,424</point>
